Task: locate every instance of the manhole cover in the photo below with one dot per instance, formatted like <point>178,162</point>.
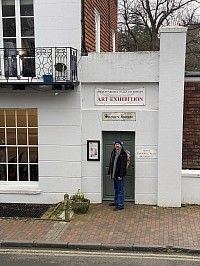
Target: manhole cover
<point>23,210</point>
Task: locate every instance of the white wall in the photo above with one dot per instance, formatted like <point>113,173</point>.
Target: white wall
<point>59,134</point>
<point>159,122</point>
<point>58,23</point>
<point>117,71</point>
<point>190,187</point>
<point>170,121</point>
<point>68,120</point>
<point>120,67</point>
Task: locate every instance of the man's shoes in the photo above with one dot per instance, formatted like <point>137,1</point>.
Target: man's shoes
<point>112,204</point>
<point>118,208</point>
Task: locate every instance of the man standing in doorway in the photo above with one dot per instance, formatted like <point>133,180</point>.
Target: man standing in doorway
<point>117,171</point>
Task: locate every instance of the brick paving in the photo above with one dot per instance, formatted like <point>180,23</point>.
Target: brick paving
<point>135,225</point>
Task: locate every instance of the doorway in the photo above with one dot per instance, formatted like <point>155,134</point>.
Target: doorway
<point>128,139</point>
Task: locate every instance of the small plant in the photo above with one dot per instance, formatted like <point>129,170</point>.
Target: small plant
<point>78,197</point>
<point>80,204</point>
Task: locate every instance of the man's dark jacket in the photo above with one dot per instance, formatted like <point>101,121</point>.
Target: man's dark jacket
<point>121,163</point>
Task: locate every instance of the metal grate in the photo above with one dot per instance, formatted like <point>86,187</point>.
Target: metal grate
<point>32,64</point>
<point>14,210</point>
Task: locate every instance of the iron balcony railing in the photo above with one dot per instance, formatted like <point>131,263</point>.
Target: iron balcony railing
<point>48,65</point>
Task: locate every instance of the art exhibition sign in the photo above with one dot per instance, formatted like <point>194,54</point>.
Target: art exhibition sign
<point>120,96</point>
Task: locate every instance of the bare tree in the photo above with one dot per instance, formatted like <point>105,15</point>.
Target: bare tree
<point>140,20</point>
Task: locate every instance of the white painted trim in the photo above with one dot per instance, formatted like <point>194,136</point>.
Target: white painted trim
<point>192,79</point>
<point>20,191</point>
<point>190,173</point>
<point>18,24</point>
<point>97,31</point>
<point>113,40</point>
<point>19,187</point>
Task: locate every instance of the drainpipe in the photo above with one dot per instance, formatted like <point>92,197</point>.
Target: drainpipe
<point>83,44</point>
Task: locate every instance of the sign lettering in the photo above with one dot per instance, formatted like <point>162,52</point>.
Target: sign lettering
<point>120,97</point>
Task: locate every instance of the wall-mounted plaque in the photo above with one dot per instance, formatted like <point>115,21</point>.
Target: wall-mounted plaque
<point>146,153</point>
<point>119,116</point>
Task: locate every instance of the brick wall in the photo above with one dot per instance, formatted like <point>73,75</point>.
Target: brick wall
<point>108,22</point>
<point>191,128</point>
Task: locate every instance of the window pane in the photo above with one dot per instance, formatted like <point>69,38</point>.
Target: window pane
<point>10,67</point>
<point>28,67</point>
<point>33,154</point>
<point>2,154</point>
<point>3,172</point>
<point>33,136</point>
<point>22,136</point>
<point>12,154</point>
<point>21,118</point>
<point>2,122</point>
<point>3,175</point>
<point>9,27</point>
<point>12,172</point>
<point>23,154</point>
<point>10,118</point>
<point>10,58</point>
<point>8,8</point>
<point>2,136</point>
<point>27,27</point>
<point>11,136</point>
<point>32,118</point>
<point>23,172</point>
<point>26,7</point>
<point>10,47</point>
<point>29,44</point>
<point>33,172</point>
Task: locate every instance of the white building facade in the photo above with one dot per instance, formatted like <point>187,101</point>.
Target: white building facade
<point>57,134</point>
<point>40,130</point>
<point>157,123</point>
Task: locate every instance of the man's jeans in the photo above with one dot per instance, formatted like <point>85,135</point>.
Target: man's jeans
<point>119,192</point>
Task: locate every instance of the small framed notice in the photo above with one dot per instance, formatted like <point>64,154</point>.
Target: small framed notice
<point>146,153</point>
<point>93,150</point>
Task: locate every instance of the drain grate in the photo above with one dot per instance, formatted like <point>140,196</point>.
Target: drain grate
<point>14,210</point>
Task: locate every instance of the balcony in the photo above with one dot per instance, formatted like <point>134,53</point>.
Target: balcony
<point>56,66</point>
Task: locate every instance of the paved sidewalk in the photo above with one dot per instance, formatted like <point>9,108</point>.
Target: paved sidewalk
<point>135,226</point>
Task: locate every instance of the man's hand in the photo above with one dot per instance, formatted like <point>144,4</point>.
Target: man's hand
<point>119,178</point>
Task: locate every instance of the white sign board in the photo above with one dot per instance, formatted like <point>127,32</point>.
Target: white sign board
<point>146,153</point>
<point>116,116</point>
<point>120,97</point>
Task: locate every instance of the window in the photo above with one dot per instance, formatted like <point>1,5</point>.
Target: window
<point>97,31</point>
<point>113,40</point>
<point>18,145</point>
<point>18,32</point>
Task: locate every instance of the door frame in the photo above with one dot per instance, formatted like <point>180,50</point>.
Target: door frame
<point>105,177</point>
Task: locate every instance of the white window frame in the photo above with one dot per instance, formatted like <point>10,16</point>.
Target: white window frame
<point>114,41</point>
<point>17,145</point>
<point>18,24</point>
<point>18,34</point>
<point>97,31</point>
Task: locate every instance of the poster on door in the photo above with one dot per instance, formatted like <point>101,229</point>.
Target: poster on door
<point>120,96</point>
